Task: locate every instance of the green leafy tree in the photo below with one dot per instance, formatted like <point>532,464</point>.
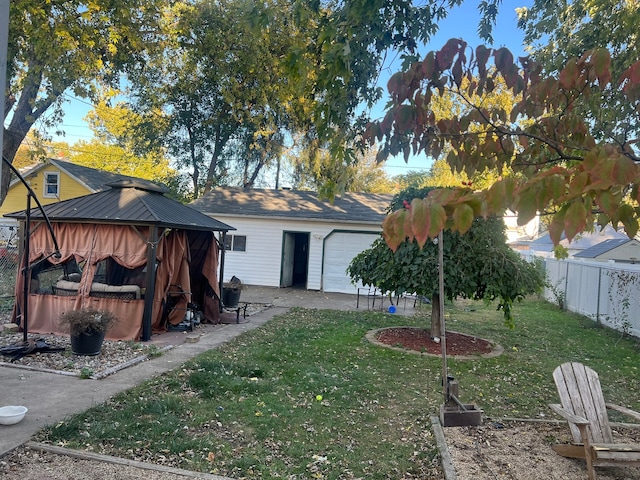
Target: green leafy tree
<point>558,31</point>
<point>218,91</point>
<point>478,265</point>
<point>337,63</point>
<point>73,46</point>
<point>314,169</point>
<point>559,166</point>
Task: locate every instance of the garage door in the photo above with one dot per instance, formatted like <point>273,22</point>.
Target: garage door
<point>339,250</point>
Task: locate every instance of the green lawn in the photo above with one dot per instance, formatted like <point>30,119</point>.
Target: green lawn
<point>251,408</point>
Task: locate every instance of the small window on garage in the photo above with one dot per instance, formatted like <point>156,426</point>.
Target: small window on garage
<point>51,184</point>
<point>236,243</point>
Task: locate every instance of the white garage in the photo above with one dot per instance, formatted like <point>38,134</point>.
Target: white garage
<point>339,249</point>
<point>289,238</point>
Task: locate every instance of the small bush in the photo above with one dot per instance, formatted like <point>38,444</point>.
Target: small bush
<point>79,321</point>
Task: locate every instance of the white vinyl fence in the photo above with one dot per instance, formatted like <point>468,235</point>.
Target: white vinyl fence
<point>608,293</point>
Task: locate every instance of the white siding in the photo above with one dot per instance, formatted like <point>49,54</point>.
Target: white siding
<point>260,264</point>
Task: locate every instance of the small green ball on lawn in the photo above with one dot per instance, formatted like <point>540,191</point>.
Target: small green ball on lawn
<point>319,398</point>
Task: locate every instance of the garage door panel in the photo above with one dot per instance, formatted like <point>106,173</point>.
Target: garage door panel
<point>340,249</point>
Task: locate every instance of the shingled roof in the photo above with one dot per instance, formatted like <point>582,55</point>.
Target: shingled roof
<point>93,179</point>
<point>128,202</point>
<point>294,204</point>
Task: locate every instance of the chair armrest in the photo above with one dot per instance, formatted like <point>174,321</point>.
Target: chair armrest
<point>626,411</point>
<point>570,417</point>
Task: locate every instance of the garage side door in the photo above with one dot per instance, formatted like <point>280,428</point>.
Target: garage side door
<point>339,250</point>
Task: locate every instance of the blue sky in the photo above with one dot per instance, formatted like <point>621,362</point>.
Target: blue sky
<point>462,22</point>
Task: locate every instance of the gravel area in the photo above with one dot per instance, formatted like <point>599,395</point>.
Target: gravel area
<point>516,450</point>
<point>28,464</point>
<point>115,355</point>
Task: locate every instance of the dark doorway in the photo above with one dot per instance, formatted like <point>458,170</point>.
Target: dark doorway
<point>295,259</point>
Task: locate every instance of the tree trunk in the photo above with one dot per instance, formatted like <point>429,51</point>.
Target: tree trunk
<point>435,316</point>
<point>11,142</point>
<point>278,173</point>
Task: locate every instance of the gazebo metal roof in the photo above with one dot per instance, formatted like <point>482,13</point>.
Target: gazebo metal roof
<point>128,202</point>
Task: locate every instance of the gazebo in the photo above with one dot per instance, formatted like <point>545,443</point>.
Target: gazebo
<point>130,250</point>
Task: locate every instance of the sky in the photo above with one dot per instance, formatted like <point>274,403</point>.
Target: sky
<point>462,22</point>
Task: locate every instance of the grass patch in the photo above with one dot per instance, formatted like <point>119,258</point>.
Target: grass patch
<point>251,408</point>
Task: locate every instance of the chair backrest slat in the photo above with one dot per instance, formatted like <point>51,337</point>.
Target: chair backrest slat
<point>580,393</point>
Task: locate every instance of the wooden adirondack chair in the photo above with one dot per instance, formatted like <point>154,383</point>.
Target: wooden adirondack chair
<point>583,406</point>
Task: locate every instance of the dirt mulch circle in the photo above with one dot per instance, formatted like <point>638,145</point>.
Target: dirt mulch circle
<point>419,340</point>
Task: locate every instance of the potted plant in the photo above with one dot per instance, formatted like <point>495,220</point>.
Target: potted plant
<point>87,328</point>
<point>231,292</point>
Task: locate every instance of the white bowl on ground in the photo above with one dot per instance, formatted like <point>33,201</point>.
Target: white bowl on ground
<point>12,414</point>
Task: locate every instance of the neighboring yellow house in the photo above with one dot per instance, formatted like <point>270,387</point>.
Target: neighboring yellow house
<point>56,180</point>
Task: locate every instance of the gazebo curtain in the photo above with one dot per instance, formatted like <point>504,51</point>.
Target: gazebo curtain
<point>128,246</point>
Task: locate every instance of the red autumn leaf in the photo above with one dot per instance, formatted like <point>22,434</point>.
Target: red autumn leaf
<point>628,219</point>
<point>577,184</point>
<point>623,170</point>
<point>503,59</point>
<point>438,217</point>
<point>526,205</point>
<point>393,229</point>
<point>630,81</point>
<point>456,71</point>
<point>601,63</point>
<point>613,171</point>
<point>556,227</point>
<point>482,56</point>
<point>382,155</point>
<point>387,121</point>
<point>372,133</point>
<point>405,118</point>
<point>473,200</point>
<point>575,219</point>
<point>569,75</point>
<point>395,83</point>
<point>555,186</point>
<point>607,202</point>
<point>592,158</point>
<point>495,198</point>
<point>428,65</point>
<point>407,228</point>
<point>463,217</point>
<point>635,191</point>
<point>420,220</point>
<point>444,57</point>
<point>444,196</point>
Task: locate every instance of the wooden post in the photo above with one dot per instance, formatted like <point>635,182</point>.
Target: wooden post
<point>443,332</point>
<point>4,42</point>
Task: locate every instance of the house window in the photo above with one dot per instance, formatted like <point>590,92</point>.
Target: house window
<point>236,243</point>
<point>51,184</point>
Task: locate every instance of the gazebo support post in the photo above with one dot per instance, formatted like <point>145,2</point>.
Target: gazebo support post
<point>221,281</point>
<point>150,292</point>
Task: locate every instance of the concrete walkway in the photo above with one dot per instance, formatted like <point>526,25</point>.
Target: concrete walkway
<point>50,397</point>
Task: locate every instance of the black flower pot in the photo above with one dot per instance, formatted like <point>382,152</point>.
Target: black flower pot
<point>231,297</point>
<point>88,342</point>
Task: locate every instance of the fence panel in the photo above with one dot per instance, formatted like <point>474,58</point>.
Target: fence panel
<point>608,293</point>
<point>8,258</point>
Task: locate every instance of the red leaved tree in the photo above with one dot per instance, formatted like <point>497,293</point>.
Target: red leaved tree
<point>559,166</point>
